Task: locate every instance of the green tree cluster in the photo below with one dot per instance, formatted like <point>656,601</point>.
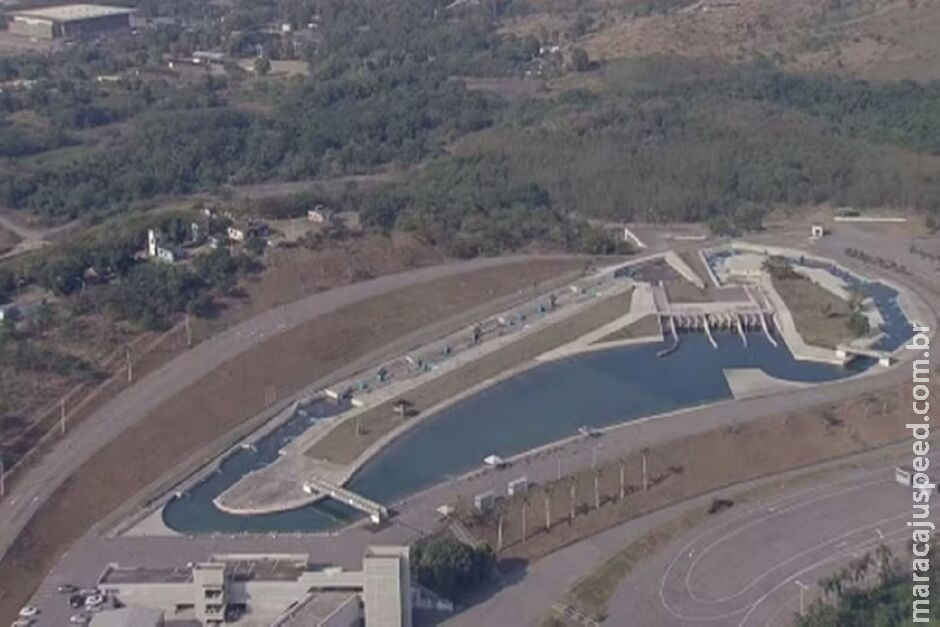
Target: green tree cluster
<point>449,567</point>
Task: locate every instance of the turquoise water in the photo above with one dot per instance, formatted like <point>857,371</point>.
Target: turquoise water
<point>541,405</point>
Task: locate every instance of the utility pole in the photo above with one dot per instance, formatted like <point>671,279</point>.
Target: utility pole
<point>62,416</point>
<point>3,479</point>
<point>189,331</point>
<point>646,485</point>
<point>130,366</point>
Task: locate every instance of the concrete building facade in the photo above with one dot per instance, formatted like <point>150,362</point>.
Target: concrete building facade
<point>275,588</point>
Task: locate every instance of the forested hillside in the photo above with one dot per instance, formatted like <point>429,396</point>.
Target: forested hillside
<point>396,86</point>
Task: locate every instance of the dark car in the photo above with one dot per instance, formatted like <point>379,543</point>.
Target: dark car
<point>67,588</point>
<point>719,505</point>
<point>76,601</point>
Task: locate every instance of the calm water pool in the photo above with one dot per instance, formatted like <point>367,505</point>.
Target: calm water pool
<point>541,405</point>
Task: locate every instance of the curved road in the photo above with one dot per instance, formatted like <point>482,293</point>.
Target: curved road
<point>743,570</point>
<point>738,569</point>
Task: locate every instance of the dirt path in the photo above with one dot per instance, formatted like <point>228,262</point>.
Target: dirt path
<point>27,233</point>
<point>194,399</point>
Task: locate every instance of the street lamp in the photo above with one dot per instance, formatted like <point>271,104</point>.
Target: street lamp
<point>803,588</point>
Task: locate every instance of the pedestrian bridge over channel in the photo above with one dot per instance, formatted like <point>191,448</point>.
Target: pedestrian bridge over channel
<point>376,511</point>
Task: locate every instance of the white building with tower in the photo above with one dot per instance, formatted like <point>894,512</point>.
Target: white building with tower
<point>156,249</point>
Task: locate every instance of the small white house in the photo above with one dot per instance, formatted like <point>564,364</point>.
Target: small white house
<point>166,254</point>
<point>319,214</point>
<point>156,249</point>
<point>242,232</point>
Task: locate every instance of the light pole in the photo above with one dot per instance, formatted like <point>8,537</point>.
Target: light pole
<point>803,588</point>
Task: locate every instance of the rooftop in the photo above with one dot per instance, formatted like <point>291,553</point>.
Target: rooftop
<point>72,12</point>
<point>265,570</point>
<point>119,575</point>
<point>128,617</point>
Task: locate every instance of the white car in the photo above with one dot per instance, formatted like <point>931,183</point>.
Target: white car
<point>79,619</point>
<point>29,612</point>
<point>23,622</point>
<point>94,600</point>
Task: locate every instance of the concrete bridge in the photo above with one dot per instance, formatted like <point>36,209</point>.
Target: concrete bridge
<point>846,351</point>
<point>376,511</point>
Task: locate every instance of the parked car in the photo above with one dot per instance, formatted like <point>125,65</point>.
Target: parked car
<point>95,600</point>
<point>67,588</point>
<point>29,611</point>
<point>79,619</point>
<point>22,622</point>
<point>76,601</point>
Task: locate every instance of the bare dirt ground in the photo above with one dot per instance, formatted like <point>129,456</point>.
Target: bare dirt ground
<point>222,400</point>
<point>867,38</point>
<point>293,273</point>
<point>691,466</point>
<point>343,444</point>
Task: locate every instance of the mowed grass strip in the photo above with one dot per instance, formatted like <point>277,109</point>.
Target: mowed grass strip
<point>647,326</point>
<point>343,444</point>
<point>820,316</point>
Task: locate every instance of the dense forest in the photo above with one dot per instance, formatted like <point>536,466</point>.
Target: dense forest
<point>660,141</point>
<point>652,139</point>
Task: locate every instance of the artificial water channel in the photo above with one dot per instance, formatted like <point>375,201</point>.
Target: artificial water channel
<point>546,403</point>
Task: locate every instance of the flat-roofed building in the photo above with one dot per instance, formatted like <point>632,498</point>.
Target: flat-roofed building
<point>283,588</point>
<point>387,586</point>
<point>69,21</point>
<point>128,617</point>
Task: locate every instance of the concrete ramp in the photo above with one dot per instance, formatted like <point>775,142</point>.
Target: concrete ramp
<point>679,265</point>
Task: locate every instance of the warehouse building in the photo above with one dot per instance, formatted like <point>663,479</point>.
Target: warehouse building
<point>69,21</point>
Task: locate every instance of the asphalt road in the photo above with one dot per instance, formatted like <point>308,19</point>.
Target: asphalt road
<point>746,569</point>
